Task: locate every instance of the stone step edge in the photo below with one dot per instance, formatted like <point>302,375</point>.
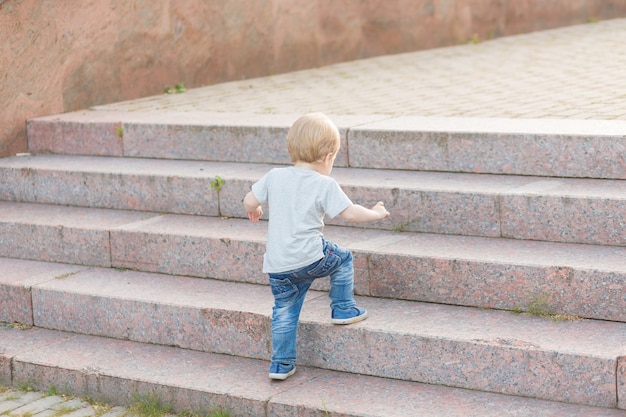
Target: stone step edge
<point>518,207</point>
<point>199,314</point>
<point>559,148</point>
<point>570,279</point>
<point>119,372</point>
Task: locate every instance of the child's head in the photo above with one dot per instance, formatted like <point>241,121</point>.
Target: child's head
<point>312,137</point>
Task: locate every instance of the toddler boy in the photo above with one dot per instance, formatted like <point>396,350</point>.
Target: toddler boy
<point>297,253</point>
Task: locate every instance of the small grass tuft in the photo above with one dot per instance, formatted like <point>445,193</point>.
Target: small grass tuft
<point>474,39</point>
<point>17,326</point>
<point>150,406</point>
<point>25,387</point>
<point>218,412</point>
<point>179,88</point>
<point>69,274</point>
<point>52,391</point>
<point>540,306</point>
<point>63,411</point>
<point>401,227</point>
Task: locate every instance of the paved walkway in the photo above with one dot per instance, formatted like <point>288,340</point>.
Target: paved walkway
<point>576,72</point>
<point>18,403</point>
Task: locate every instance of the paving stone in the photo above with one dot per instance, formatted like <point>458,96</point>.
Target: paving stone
<point>38,406</point>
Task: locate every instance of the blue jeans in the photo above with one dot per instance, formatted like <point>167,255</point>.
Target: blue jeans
<point>290,288</point>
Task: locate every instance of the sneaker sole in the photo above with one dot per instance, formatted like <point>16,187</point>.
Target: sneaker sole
<point>350,320</point>
<point>283,376</point>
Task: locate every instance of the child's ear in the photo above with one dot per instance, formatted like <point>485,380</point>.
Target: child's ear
<point>328,158</point>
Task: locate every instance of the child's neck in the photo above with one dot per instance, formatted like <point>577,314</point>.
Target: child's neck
<point>318,167</point>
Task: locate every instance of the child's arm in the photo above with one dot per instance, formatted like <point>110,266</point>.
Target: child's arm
<point>253,207</point>
<point>359,214</point>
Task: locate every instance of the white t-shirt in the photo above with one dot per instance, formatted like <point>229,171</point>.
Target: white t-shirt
<point>298,199</point>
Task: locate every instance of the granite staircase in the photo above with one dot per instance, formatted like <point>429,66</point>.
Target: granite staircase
<point>496,288</point>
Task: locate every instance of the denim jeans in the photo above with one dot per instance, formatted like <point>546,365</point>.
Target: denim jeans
<point>290,288</point>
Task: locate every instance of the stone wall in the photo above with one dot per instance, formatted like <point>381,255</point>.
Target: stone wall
<point>64,55</point>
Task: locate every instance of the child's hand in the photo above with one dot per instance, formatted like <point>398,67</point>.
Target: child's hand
<point>253,207</point>
<point>380,209</point>
<point>255,215</point>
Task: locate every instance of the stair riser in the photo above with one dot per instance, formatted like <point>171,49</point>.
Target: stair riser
<point>490,214</point>
<point>493,153</point>
<point>18,276</point>
<point>202,329</point>
<point>189,255</point>
<point>59,136</point>
<point>193,142</point>
<point>571,149</point>
<point>168,194</point>
<point>15,305</point>
<point>551,289</point>
<point>544,290</point>
<point>110,384</point>
<point>558,290</point>
<point>476,365</point>
<point>119,372</point>
<point>565,219</point>
<point>55,244</point>
<point>213,143</point>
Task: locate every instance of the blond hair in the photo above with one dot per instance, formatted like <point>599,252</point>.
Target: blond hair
<point>312,137</point>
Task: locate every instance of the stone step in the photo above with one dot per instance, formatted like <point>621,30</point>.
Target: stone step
<point>571,210</point>
<point>119,372</point>
<point>579,361</point>
<point>551,148</point>
<point>570,279</point>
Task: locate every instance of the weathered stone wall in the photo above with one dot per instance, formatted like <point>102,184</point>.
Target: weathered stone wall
<point>64,55</point>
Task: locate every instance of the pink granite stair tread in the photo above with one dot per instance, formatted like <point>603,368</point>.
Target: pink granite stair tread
<point>466,204</point>
<point>117,370</point>
<point>197,314</point>
<point>596,338</point>
<point>78,133</point>
<point>507,145</point>
<point>374,178</point>
<point>17,278</point>
<point>550,360</point>
<point>602,339</point>
<point>14,342</point>
<point>505,250</point>
<point>60,234</point>
<point>467,348</point>
<point>66,216</point>
<point>359,395</point>
<point>613,128</point>
<point>498,273</point>
<point>560,148</point>
<point>118,183</point>
<point>28,273</point>
<point>199,135</point>
<point>459,270</point>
